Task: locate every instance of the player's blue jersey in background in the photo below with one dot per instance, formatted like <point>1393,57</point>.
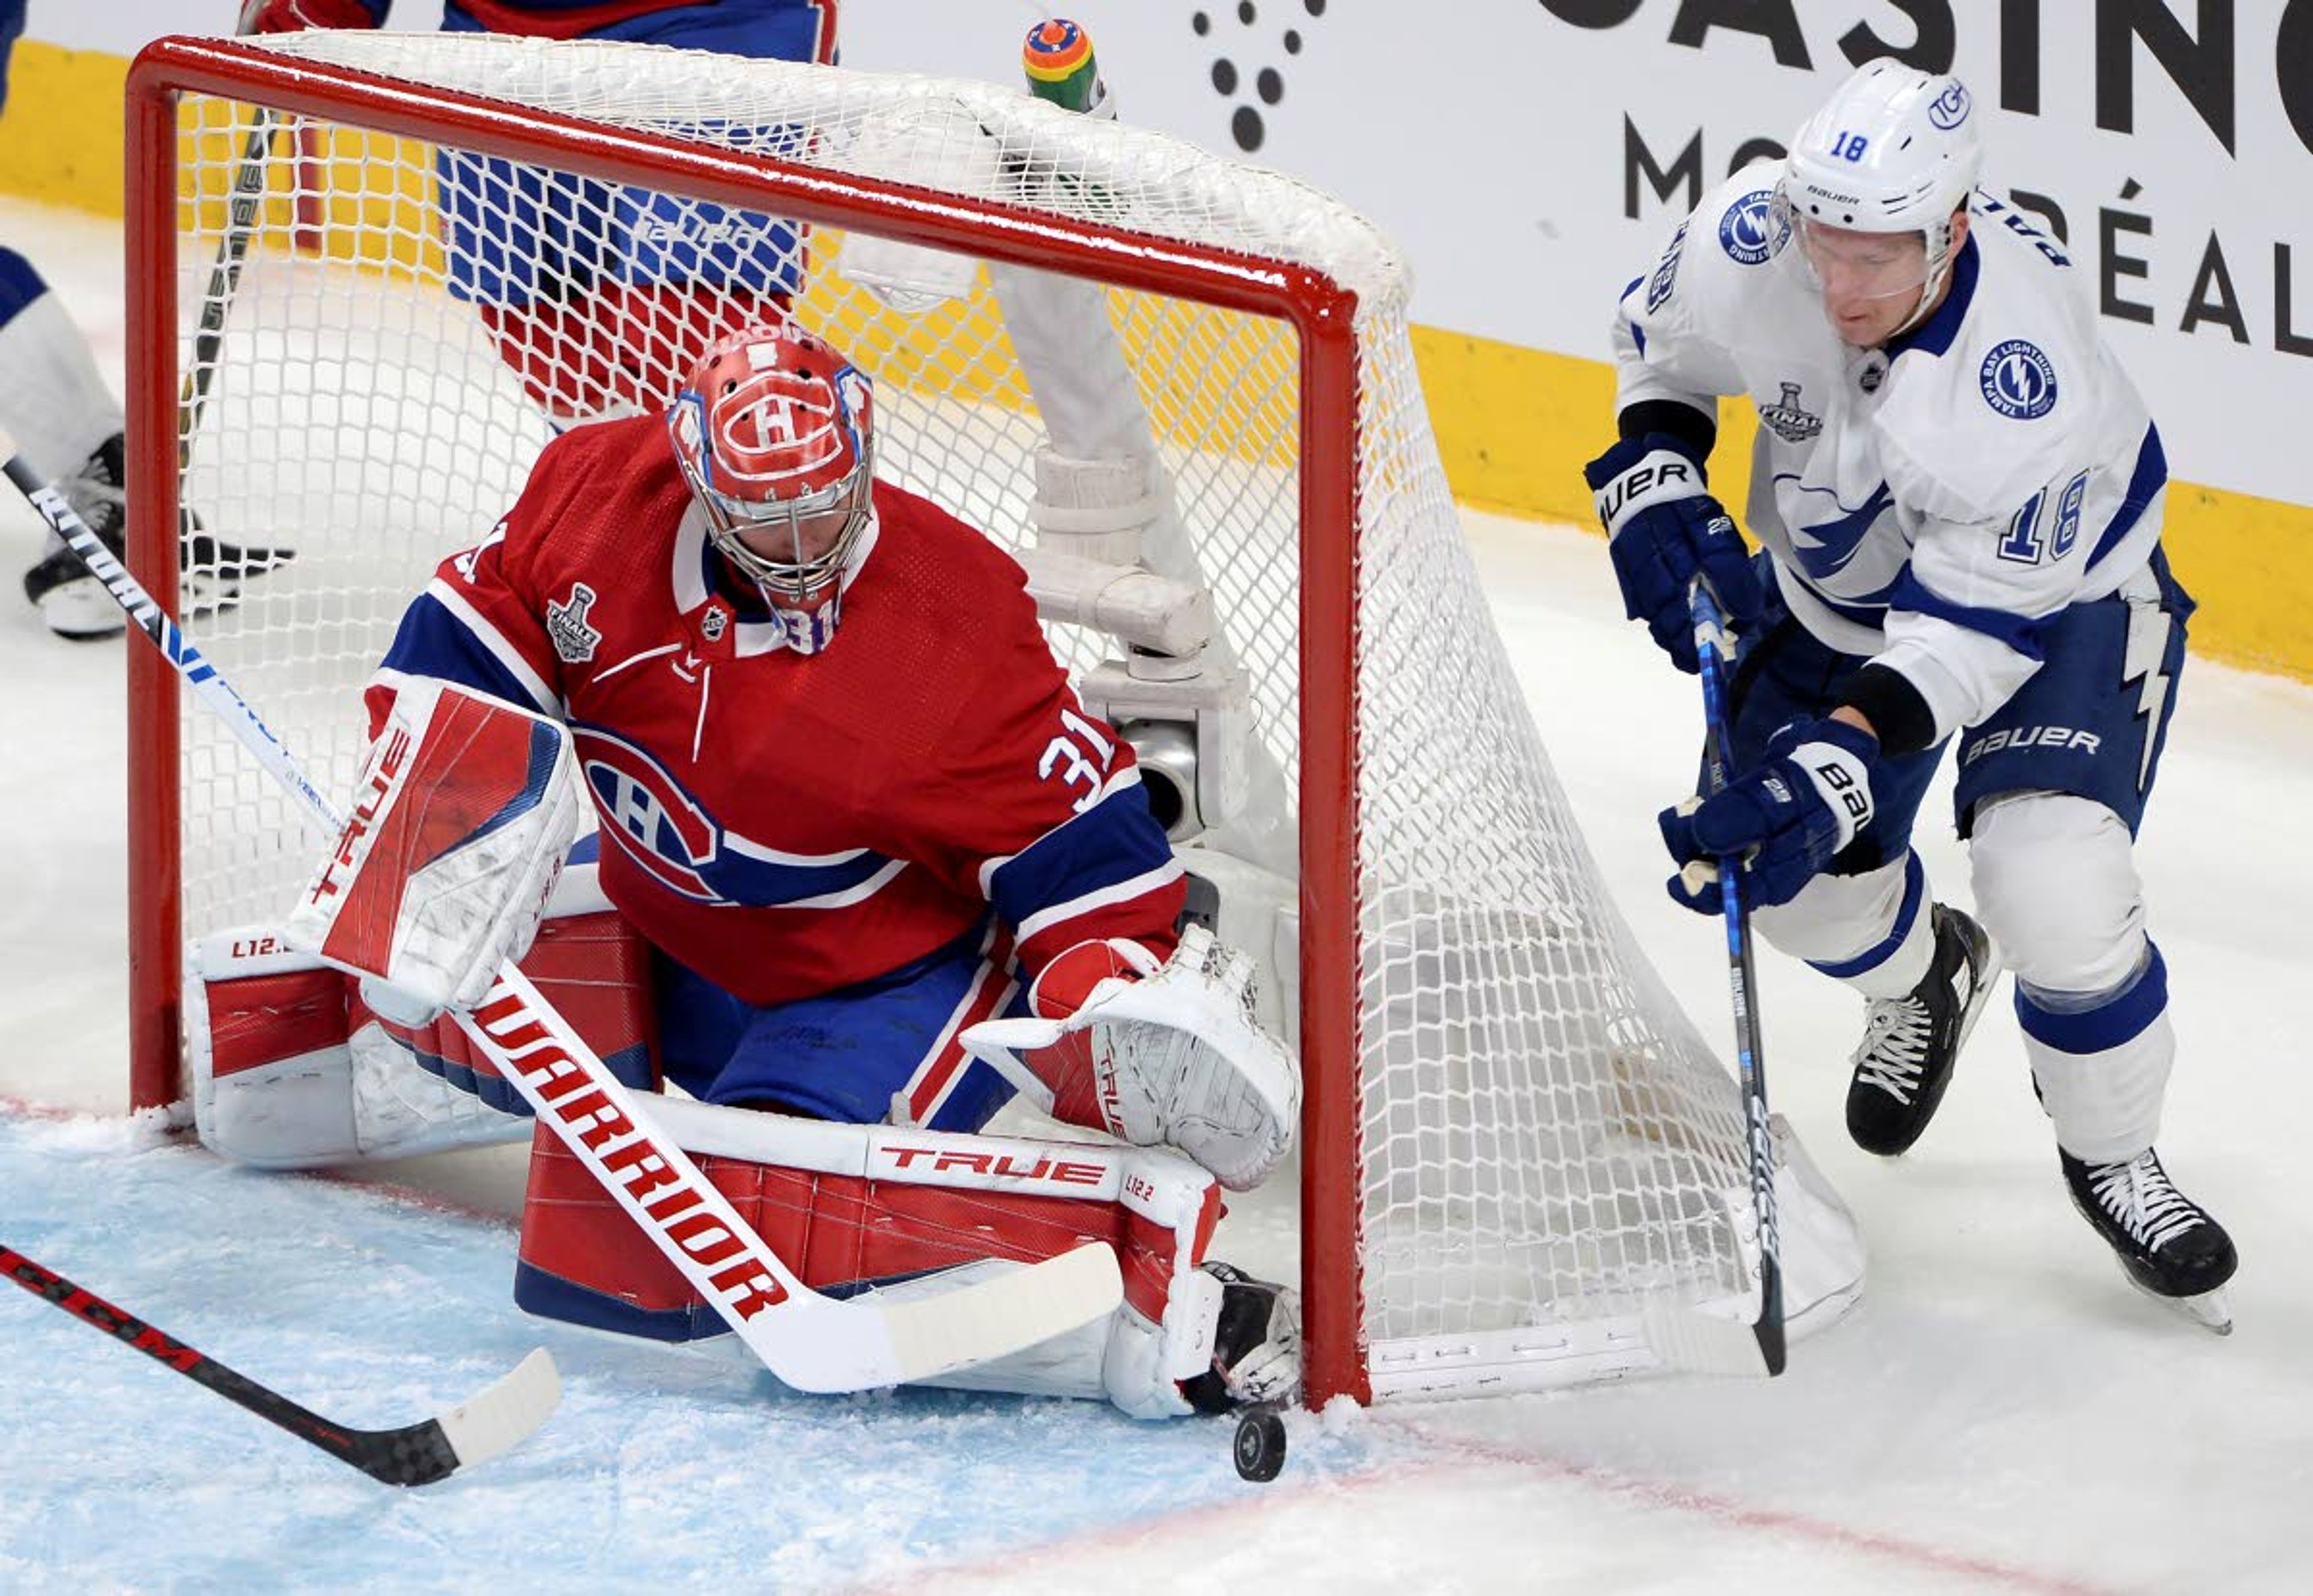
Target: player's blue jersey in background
<point>11,28</point>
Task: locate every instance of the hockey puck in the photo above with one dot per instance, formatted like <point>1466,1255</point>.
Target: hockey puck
<point>1258,1449</point>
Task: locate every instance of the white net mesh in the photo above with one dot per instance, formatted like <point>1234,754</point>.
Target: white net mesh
<point>1544,1138</point>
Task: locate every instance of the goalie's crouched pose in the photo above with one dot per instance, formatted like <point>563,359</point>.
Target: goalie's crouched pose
<point>864,868</point>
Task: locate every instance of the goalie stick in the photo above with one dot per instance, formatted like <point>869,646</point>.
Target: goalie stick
<point>811,1341</point>
<point>494,1420</point>
<point>1687,1337</point>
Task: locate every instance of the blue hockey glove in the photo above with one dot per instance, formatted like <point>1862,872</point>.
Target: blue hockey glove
<point>1784,820</point>
<point>1663,531</point>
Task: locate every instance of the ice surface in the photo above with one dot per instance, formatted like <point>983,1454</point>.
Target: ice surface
<point>2001,1413</point>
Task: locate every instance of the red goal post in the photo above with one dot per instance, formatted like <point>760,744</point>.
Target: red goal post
<point>1513,1138</point>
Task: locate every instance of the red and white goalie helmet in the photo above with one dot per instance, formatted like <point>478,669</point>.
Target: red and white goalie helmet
<point>775,433</point>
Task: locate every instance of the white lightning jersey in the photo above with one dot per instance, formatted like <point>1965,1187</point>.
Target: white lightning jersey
<point>1928,503</point>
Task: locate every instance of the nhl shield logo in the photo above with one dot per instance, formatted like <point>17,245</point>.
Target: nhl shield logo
<point>566,624</point>
<point>1791,423</point>
<point>715,623</point>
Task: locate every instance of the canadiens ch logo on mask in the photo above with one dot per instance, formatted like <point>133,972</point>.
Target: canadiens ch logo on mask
<point>566,624</point>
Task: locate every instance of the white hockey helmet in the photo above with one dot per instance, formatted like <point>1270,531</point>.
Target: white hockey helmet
<point>1893,151</point>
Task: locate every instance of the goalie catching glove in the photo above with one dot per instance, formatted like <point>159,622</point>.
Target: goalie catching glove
<point>1155,1053</point>
<point>461,817</point>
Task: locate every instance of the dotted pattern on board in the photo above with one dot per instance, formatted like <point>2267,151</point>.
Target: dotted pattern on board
<point>1264,83</point>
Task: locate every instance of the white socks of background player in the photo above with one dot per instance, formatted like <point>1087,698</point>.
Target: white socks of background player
<point>53,401</point>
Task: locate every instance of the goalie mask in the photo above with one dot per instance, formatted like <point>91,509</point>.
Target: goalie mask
<point>774,432</point>
<point>1869,192</point>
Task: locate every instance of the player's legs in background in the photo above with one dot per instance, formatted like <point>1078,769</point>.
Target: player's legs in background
<point>600,297</point>
<point>67,426</point>
<point>1870,921</point>
<point>58,408</point>
<point>2051,792</point>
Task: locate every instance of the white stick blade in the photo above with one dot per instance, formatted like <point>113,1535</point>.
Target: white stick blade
<point>971,1324</point>
<point>1006,1314</point>
<point>506,1413</point>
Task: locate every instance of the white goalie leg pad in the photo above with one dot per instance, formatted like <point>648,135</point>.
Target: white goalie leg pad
<point>283,1079</point>
<point>461,817</point>
<point>1174,1056</point>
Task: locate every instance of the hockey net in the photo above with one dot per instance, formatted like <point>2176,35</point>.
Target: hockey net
<point>1514,1137</point>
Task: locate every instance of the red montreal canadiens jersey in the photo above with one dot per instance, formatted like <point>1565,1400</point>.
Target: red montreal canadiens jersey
<point>787,824</point>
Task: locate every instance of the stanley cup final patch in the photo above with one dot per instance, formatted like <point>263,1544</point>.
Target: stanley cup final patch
<point>566,624</point>
<point>1793,422</point>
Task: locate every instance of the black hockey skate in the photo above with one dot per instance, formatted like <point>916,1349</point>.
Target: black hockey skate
<point>2169,1246</point>
<point>74,604</point>
<point>1910,1043</point>
<point>1256,1345</point>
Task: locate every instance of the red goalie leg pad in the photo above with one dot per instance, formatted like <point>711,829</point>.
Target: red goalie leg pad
<point>947,1200</point>
<point>595,969</point>
<point>614,348</point>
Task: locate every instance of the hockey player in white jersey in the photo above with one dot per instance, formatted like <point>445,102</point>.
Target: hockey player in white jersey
<point>1960,495</point>
<point>55,404</point>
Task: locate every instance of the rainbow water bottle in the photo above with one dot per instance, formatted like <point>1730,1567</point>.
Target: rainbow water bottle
<point>1058,59</point>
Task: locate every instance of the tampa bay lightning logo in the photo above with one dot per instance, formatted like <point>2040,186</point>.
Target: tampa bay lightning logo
<point>2018,381</point>
<point>1950,108</point>
<point>1825,547</point>
<point>1746,231</point>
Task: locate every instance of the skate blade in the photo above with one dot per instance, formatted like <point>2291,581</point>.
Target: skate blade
<point>2213,1311</point>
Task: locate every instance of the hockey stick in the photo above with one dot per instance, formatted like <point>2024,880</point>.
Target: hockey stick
<point>225,283</point>
<point>1711,650</point>
<point>477,1429</point>
<point>213,554</point>
<point>812,1342</point>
